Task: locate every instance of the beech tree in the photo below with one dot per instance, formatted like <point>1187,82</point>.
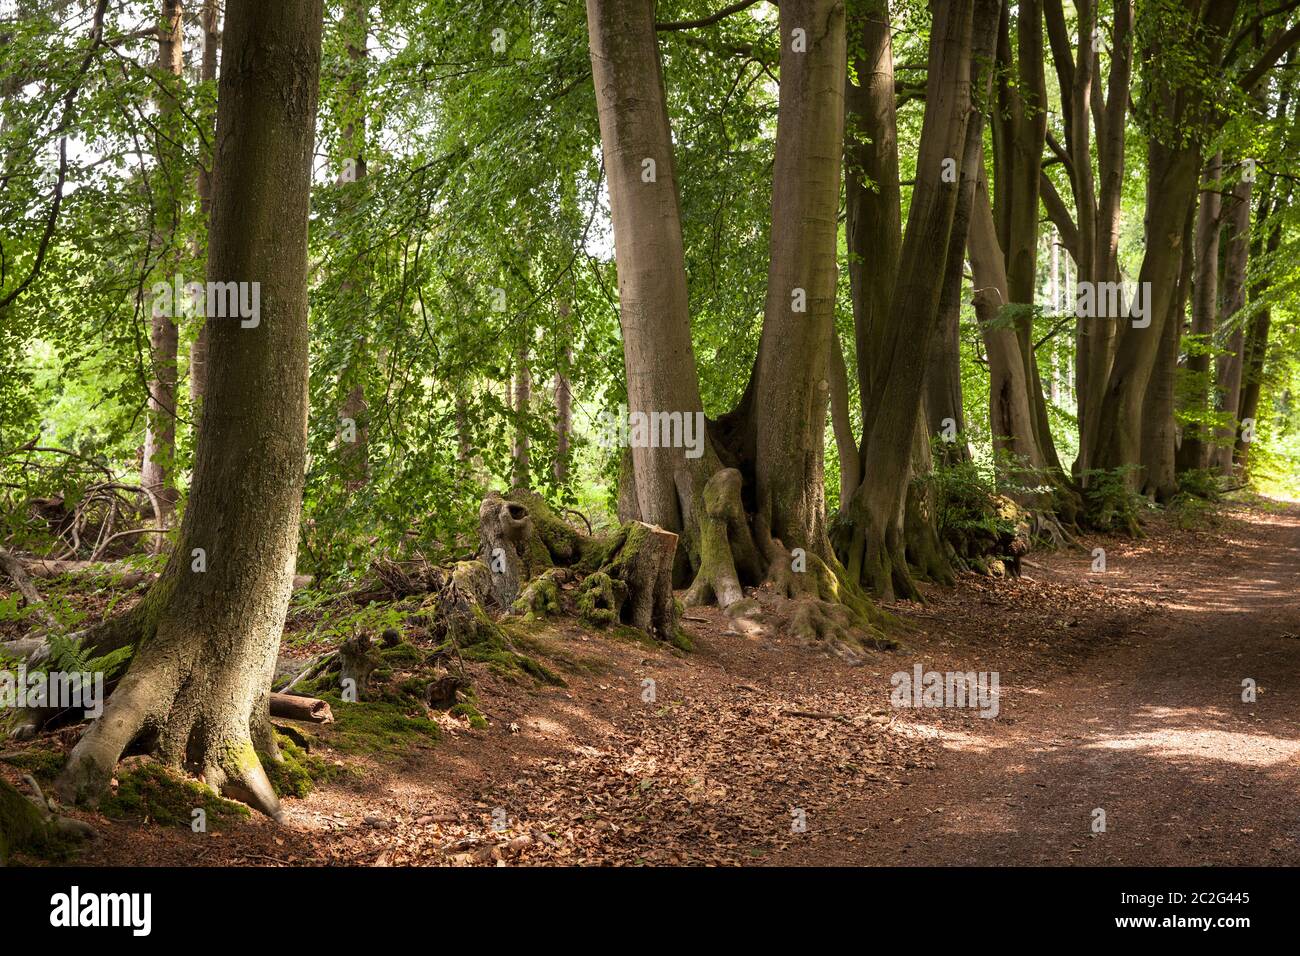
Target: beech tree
<point>207,634</point>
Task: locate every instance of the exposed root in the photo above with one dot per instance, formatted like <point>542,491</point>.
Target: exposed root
<point>727,549</point>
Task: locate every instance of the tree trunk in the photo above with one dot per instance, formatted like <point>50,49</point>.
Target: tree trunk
<point>786,402</point>
<point>158,465</point>
<point>1228,372</point>
<point>1192,454</point>
<point>199,347</point>
<point>659,486</point>
<point>354,410</point>
<point>520,451</point>
<point>871,540</point>
<point>563,403</point>
<point>1269,220</point>
<point>1159,428</point>
<point>199,685</point>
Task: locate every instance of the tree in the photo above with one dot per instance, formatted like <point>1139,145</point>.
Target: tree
<point>902,323</point>
<point>208,632</point>
<point>160,422</point>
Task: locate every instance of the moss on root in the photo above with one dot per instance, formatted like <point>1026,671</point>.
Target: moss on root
<point>151,792</point>
<point>298,770</point>
<point>390,725</point>
<point>22,825</point>
<point>41,764</point>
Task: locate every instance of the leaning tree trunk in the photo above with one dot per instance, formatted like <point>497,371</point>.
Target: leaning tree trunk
<point>198,688</point>
<point>1270,219</point>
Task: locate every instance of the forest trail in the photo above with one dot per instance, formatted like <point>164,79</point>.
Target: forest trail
<point>1155,732</point>
<point>1119,691</point>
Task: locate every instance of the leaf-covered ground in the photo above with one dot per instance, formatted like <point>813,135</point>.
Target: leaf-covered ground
<point>1120,691</point>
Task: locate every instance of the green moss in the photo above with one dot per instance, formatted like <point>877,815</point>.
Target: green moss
<point>600,599</point>
<point>298,771</point>
<point>22,827</point>
<point>402,655</point>
<point>471,713</point>
<point>560,542</point>
<point>382,726</point>
<point>41,764</point>
<point>541,598</point>
<point>151,792</point>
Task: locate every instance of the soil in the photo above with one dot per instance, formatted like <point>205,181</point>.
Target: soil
<point>1119,691</point>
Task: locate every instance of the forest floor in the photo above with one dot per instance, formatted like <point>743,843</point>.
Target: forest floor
<point>1119,691</point>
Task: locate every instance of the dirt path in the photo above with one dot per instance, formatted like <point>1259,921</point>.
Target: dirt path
<point>1118,691</point>
<point>1153,731</point>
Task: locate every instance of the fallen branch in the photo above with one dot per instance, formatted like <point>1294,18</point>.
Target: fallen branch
<point>301,708</point>
<point>13,567</point>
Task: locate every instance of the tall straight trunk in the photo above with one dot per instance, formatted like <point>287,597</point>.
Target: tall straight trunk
<point>661,486</point>
<point>355,454</point>
<point>1228,371</point>
<point>786,402</point>
<point>1159,429</point>
<point>873,202</point>
<point>1192,453</point>
<point>943,399</point>
<point>1269,222</point>
<point>563,401</point>
<point>871,542</point>
<point>157,466</point>
<point>520,452</point>
<point>1019,133</point>
<point>1095,229</point>
<point>199,347</point>
<point>198,688</point>
<point>1173,168</point>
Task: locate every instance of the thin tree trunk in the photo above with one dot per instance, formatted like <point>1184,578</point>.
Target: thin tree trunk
<point>1192,454</point>
<point>199,347</point>
<point>520,452</point>
<point>1159,428</point>
<point>1228,372</point>
<point>158,465</point>
<point>355,449</point>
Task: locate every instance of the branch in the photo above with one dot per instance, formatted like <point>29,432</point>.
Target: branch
<point>710,19</point>
<point>1266,62</point>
